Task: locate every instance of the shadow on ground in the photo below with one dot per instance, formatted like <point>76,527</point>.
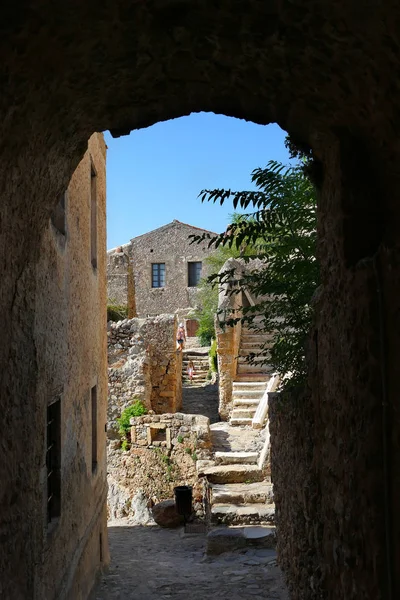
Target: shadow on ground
<point>151,562</point>
<point>201,400</point>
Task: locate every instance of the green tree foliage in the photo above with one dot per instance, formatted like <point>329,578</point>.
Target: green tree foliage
<point>282,226</point>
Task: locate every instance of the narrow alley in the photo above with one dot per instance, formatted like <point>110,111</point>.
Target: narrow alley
<point>152,562</point>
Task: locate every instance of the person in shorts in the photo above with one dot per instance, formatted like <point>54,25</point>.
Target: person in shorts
<point>181,337</point>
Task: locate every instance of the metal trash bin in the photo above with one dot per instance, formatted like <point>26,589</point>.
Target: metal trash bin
<point>183,500</point>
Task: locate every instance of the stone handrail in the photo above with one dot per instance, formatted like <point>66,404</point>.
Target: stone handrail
<point>262,408</point>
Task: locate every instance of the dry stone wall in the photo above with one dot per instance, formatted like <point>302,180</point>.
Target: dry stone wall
<point>143,364</point>
<point>163,454</point>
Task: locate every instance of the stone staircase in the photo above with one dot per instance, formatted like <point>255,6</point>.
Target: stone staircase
<point>240,487</point>
<point>251,342</point>
<point>199,356</point>
<point>246,396</point>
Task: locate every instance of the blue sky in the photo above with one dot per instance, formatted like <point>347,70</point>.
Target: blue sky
<point>154,175</point>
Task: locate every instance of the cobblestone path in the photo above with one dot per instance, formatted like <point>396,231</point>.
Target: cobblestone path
<point>151,562</point>
<point>201,400</point>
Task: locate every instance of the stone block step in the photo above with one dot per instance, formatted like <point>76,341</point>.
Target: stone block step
<point>226,539</point>
<point>243,413</point>
<point>254,335</point>
<point>233,473</point>
<point>252,377</point>
<point>241,421</point>
<point>243,360</point>
<point>246,402</point>
<point>239,514</point>
<point>249,393</point>
<point>248,368</point>
<point>235,458</point>
<point>242,493</point>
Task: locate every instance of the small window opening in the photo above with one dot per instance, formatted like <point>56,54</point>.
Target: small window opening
<point>94,427</point>
<point>53,460</point>
<point>93,216</point>
<point>58,215</point>
<point>194,273</point>
<point>158,275</point>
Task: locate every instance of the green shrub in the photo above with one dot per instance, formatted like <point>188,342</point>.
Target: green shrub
<point>117,312</point>
<point>180,439</point>
<point>125,445</point>
<point>136,409</point>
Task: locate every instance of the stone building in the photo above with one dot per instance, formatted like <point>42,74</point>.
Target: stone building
<point>324,71</point>
<point>70,402</point>
<point>166,269</point>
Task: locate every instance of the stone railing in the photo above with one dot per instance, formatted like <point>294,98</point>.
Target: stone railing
<point>262,409</point>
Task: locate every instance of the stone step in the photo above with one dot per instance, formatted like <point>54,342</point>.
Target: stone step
<point>233,473</point>
<point>248,368</point>
<point>247,351</point>
<point>252,377</point>
<point>241,421</point>
<point>256,359</point>
<point>248,393</point>
<point>242,493</point>
<point>243,413</point>
<point>226,539</point>
<point>248,336</point>
<point>235,458</point>
<point>240,514</point>
<point>246,402</point>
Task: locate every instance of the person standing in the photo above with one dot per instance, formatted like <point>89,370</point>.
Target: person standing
<point>190,370</point>
<point>181,337</point>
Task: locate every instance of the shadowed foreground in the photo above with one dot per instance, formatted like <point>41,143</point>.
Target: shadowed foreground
<point>149,562</point>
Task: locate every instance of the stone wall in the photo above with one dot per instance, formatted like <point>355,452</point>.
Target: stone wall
<point>338,97</point>
<point>144,364</point>
<point>120,281</point>
<point>296,490</point>
<point>228,340</point>
<point>70,331</point>
<point>163,454</point>
<point>170,245</point>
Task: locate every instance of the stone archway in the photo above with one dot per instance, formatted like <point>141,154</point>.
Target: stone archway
<point>325,73</point>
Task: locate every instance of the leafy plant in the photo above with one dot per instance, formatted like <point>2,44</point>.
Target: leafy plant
<point>125,445</point>
<point>180,439</point>
<point>136,409</point>
<point>116,312</point>
<point>283,230</point>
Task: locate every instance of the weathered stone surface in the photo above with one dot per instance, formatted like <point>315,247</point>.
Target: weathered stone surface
<point>140,354</point>
<point>322,70</point>
<point>155,563</point>
<point>165,514</point>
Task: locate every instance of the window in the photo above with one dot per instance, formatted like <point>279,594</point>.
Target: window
<point>94,428</point>
<point>53,460</point>
<point>158,275</point>
<point>194,273</point>
<point>93,216</point>
<point>58,215</point>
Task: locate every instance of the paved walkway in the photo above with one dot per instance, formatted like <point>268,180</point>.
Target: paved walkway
<point>151,562</point>
<point>201,400</point>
